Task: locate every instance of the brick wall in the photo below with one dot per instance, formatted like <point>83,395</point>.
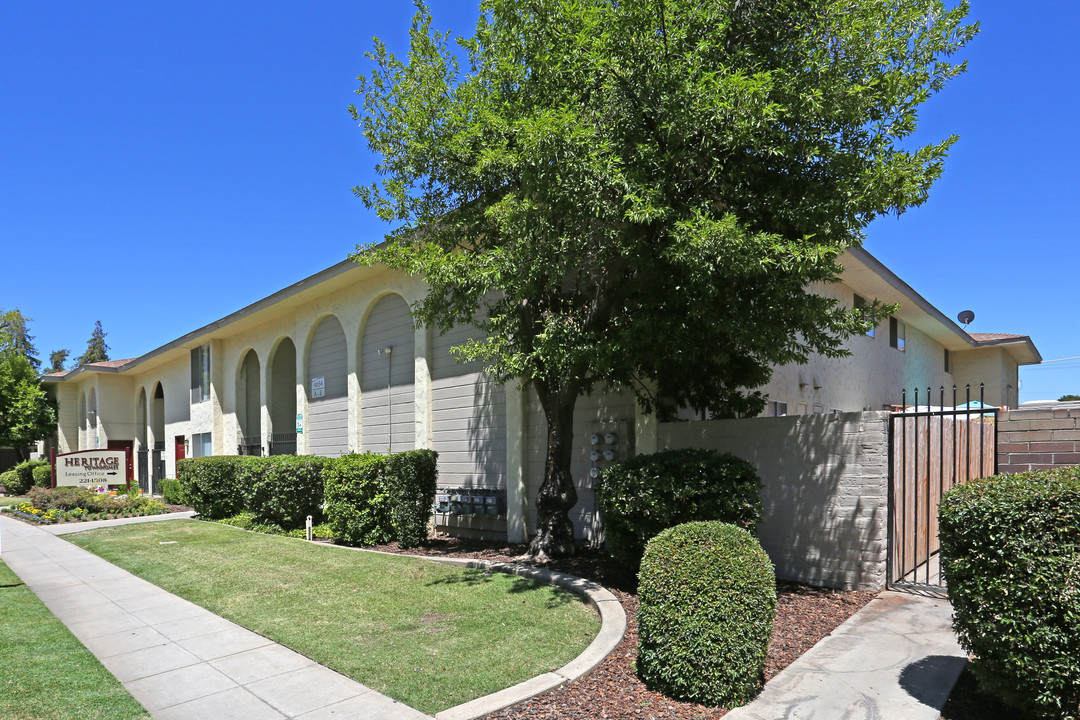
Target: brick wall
<point>1038,438</point>
<point>825,490</point>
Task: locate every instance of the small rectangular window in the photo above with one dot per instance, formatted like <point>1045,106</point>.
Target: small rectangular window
<point>948,361</point>
<point>897,332</point>
<point>776,409</point>
<point>860,302</point>
<point>202,445</point>
<point>200,374</point>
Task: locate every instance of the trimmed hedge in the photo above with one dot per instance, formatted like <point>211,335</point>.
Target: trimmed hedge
<point>707,598</point>
<point>643,495</point>
<point>1010,549</point>
<point>284,489</point>
<point>42,475</point>
<point>8,479</point>
<point>357,502</point>
<point>411,479</point>
<point>210,485</point>
<point>369,499</point>
<point>23,479</point>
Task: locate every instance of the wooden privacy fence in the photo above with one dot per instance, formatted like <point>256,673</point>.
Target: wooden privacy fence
<point>932,450</point>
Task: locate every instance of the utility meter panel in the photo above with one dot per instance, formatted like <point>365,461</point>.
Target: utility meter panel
<point>608,442</point>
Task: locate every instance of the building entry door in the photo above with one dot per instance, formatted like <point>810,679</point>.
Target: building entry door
<point>180,448</point>
<point>129,447</point>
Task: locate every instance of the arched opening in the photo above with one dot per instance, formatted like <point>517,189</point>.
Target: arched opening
<point>157,418</point>
<point>82,422</point>
<point>157,436</point>
<point>328,390</point>
<point>94,441</point>
<point>249,405</point>
<point>282,400</point>
<point>142,450</point>
<point>387,403</point>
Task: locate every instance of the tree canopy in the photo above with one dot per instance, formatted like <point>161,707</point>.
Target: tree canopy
<point>16,328</point>
<point>649,194</point>
<point>96,349</point>
<point>27,414</point>
<point>57,359</point>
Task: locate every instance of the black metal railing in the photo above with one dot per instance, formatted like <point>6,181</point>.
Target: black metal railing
<point>282,443</point>
<point>249,445</point>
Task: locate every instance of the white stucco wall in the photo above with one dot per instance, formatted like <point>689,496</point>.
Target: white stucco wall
<point>825,490</point>
<point>870,377</point>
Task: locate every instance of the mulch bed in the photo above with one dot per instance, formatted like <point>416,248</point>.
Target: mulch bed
<point>612,691</point>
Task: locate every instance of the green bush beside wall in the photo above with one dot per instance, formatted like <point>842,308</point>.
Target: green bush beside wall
<point>648,493</point>
<point>411,479</point>
<point>172,492</point>
<point>1010,549</point>
<point>8,479</point>
<point>707,598</point>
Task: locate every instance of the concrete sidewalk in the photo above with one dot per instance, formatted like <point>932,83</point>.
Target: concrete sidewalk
<point>180,661</point>
<point>896,659</point>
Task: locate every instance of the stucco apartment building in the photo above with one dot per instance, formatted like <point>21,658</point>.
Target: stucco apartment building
<point>333,364</point>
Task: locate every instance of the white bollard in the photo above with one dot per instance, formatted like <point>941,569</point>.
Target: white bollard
<point>307,527</point>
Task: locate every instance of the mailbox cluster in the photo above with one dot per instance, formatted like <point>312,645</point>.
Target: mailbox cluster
<point>470,501</point>
<point>604,450</point>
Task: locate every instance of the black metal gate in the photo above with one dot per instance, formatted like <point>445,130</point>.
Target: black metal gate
<point>144,465</point>
<point>282,444</point>
<point>157,466</point>
<point>931,450</point>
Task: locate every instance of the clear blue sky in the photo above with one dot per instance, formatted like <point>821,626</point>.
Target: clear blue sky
<point>164,164</point>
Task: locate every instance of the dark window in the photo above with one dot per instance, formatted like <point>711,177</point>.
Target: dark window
<point>948,360</point>
<point>200,374</point>
<point>897,331</point>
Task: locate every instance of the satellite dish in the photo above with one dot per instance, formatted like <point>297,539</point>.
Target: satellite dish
<point>965,317</point>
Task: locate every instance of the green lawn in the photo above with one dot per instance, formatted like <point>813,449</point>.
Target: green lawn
<point>45,673</point>
<point>429,635</point>
<point>8,500</point>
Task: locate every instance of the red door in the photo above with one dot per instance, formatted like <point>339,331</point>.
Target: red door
<point>129,447</point>
<point>179,447</point>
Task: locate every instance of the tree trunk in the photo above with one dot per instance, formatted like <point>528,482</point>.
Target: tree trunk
<point>554,532</point>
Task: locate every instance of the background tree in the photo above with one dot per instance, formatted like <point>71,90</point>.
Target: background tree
<point>646,193</point>
<point>96,349</point>
<point>1067,398</point>
<point>27,414</point>
<point>15,326</point>
<point>57,359</point>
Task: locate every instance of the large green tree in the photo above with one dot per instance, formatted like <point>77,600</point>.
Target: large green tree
<point>27,414</point>
<point>15,327</point>
<point>96,349</point>
<point>649,193</point>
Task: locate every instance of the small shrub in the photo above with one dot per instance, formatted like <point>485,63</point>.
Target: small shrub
<point>411,479</point>
<point>1010,549</point>
<point>358,503</point>
<point>707,598</point>
<point>42,475</point>
<point>24,476</point>
<point>284,489</point>
<point>641,496</point>
<point>210,485</point>
<point>8,480</point>
<point>172,492</point>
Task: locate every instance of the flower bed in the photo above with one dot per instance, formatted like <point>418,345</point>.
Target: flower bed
<point>45,507</point>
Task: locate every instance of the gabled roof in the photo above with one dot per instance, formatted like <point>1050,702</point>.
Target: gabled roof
<point>107,365</point>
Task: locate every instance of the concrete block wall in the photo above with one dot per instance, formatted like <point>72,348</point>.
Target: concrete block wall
<point>825,490</point>
<point>1038,438</point>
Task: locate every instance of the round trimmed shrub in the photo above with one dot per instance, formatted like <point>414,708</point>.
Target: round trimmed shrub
<point>641,496</point>
<point>8,480</point>
<point>1010,548</point>
<point>707,598</point>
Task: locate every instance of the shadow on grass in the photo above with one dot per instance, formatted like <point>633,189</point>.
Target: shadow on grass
<point>13,585</point>
<point>472,577</point>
